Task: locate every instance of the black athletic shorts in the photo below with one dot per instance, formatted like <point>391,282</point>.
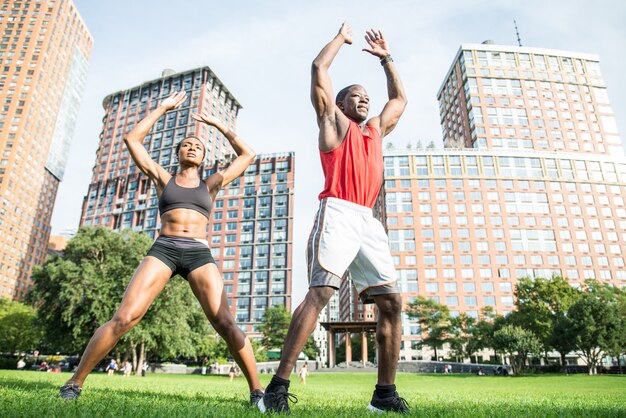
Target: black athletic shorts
<point>182,255</point>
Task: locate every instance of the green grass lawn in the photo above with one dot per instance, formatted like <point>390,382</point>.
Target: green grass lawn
<point>34,394</point>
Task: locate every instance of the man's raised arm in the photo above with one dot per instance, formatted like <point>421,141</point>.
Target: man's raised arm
<point>321,86</point>
<point>394,108</point>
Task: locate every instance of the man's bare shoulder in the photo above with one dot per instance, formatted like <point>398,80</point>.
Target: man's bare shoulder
<point>374,123</point>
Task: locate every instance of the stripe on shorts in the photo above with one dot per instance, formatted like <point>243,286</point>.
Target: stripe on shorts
<point>319,221</point>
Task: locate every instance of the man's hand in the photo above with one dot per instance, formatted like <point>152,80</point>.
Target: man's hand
<point>175,100</point>
<point>346,32</point>
<point>378,44</point>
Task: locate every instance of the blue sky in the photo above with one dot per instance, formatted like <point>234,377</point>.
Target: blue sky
<point>262,51</point>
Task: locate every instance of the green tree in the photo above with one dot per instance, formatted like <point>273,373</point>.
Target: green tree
<point>275,326</point>
<point>481,333</point>
<point>77,292</point>
<point>539,304</point>
<point>615,345</point>
<point>81,289</point>
<point>19,327</point>
<point>460,335</point>
<point>594,320</point>
<point>517,343</point>
<point>260,353</point>
<point>311,350</point>
<point>561,339</point>
<point>434,320</point>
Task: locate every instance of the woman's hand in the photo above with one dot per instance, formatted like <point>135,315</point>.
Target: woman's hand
<point>210,120</point>
<point>175,100</point>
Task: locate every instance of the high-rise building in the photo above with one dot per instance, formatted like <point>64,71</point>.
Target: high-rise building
<point>43,55</point>
<point>250,231</point>
<point>506,97</point>
<point>535,187</point>
<point>256,244</point>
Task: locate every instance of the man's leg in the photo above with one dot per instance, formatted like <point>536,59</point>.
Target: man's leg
<point>388,338</point>
<point>302,325</point>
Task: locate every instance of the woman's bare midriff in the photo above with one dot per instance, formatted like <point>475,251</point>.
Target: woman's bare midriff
<point>185,223</point>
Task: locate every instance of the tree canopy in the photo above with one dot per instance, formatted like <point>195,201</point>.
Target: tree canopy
<point>80,290</point>
<point>275,326</point>
<point>19,327</point>
<point>434,320</point>
<point>549,315</point>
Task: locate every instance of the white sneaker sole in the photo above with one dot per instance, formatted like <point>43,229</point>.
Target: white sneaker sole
<point>261,406</point>
<point>375,410</point>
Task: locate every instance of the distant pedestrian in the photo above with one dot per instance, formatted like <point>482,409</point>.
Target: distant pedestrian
<point>21,364</point>
<point>232,371</point>
<point>144,368</point>
<point>112,367</point>
<point>128,369</point>
<point>304,371</point>
<point>205,361</point>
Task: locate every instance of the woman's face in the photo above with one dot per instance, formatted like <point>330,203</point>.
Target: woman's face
<point>191,150</point>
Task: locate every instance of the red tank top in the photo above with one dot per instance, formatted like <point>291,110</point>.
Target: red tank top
<point>354,170</point>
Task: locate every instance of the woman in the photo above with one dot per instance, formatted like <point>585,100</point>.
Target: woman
<point>185,202</point>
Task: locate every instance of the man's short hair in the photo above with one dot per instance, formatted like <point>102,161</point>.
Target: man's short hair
<point>343,92</point>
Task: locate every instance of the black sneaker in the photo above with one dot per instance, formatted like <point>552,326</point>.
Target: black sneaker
<point>255,396</point>
<point>277,401</point>
<point>394,403</point>
<point>70,391</point>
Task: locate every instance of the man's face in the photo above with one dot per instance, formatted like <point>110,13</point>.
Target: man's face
<point>356,104</point>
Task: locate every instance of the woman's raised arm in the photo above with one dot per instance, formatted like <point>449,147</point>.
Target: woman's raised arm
<point>245,154</point>
<point>134,139</point>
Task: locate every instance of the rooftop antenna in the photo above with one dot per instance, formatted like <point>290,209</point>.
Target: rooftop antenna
<point>519,41</point>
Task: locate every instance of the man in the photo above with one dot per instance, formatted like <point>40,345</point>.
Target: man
<point>345,236</point>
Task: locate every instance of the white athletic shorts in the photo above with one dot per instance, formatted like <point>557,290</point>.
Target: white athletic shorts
<point>347,238</point>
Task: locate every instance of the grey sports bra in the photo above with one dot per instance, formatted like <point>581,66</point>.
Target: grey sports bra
<point>195,198</point>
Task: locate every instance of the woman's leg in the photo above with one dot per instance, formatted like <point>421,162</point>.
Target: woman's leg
<point>206,283</point>
<point>148,281</point>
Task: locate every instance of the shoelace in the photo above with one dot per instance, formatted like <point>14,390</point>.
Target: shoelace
<point>289,397</point>
<point>293,398</point>
<point>71,387</point>
<point>400,401</point>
